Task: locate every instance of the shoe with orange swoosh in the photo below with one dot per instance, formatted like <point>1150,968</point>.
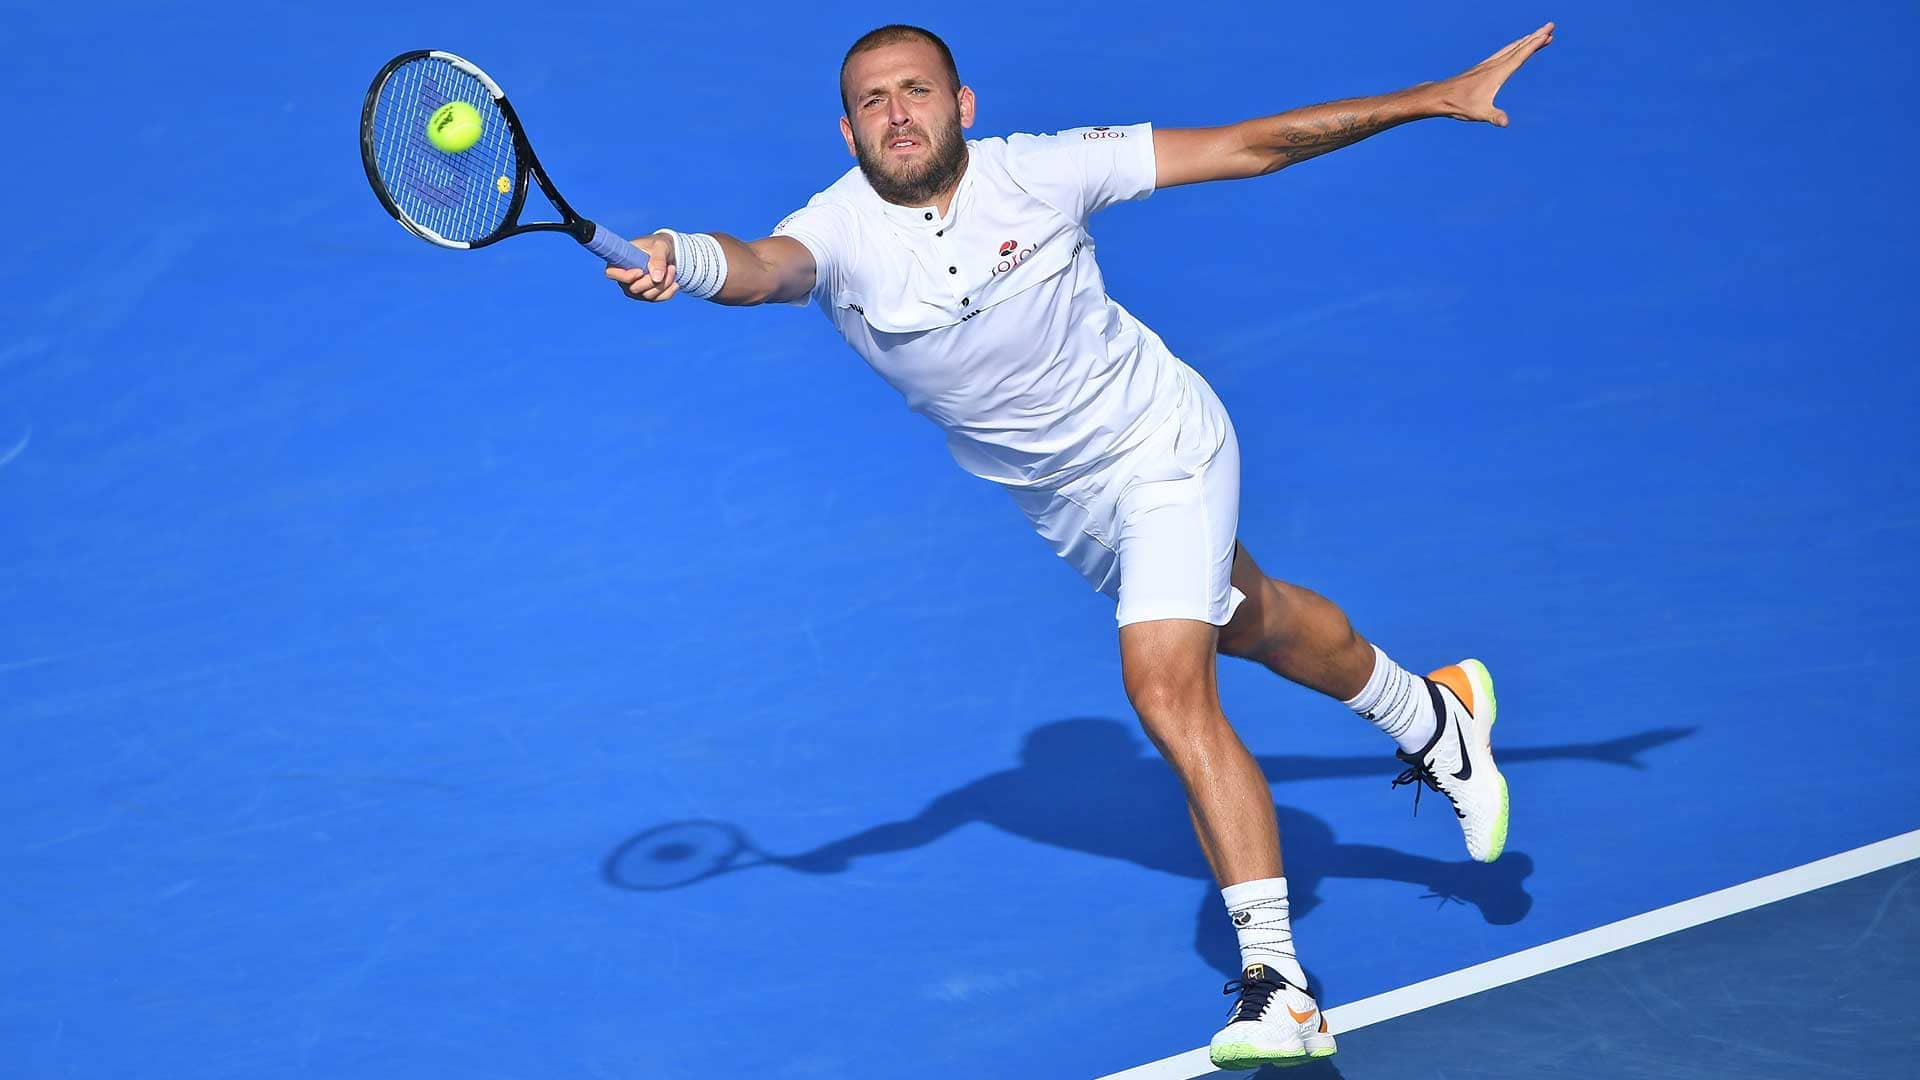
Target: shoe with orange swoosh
<point>1274,1022</point>
<point>1458,761</point>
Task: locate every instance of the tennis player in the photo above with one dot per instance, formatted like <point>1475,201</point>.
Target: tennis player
<point>962,271</point>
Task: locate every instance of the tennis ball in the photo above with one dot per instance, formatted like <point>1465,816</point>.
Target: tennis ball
<point>454,127</point>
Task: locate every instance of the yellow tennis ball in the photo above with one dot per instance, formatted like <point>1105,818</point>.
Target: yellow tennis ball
<point>454,127</point>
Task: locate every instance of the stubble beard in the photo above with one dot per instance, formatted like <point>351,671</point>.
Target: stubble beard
<point>916,184</point>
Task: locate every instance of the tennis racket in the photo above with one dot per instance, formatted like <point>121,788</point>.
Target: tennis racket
<point>472,198</point>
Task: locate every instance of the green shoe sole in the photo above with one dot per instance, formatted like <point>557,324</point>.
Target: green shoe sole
<point>1240,1056</point>
<point>1482,682</point>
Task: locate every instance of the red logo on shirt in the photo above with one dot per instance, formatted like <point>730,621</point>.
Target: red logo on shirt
<point>1011,255</point>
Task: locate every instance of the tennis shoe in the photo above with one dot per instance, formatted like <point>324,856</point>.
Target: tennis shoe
<point>1458,761</point>
<point>1273,1022</point>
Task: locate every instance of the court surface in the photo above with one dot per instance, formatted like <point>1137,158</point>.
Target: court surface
<point>390,633</point>
<point>1819,985</point>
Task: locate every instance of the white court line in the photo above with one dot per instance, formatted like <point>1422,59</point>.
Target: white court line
<point>1571,950</point>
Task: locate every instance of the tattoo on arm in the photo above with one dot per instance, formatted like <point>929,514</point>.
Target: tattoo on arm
<point>1307,133</point>
<point>1332,134</point>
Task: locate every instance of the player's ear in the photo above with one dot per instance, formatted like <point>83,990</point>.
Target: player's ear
<point>846,132</point>
<point>966,106</point>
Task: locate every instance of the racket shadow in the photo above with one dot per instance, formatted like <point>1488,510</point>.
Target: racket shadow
<point>678,854</point>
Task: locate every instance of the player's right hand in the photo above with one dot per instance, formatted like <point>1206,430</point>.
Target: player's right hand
<point>659,280</point>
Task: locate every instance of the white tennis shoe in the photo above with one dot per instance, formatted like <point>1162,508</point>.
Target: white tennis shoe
<point>1458,761</point>
<point>1273,1023</point>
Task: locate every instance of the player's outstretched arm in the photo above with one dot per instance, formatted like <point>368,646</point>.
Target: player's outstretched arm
<point>774,270</point>
<point>1271,143</point>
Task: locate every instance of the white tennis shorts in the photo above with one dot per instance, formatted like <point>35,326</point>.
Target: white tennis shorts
<point>1154,528</point>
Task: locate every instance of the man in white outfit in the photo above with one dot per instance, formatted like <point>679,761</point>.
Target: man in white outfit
<point>963,273</point>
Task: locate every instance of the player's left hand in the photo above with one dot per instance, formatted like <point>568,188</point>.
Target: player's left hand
<point>1469,95</point>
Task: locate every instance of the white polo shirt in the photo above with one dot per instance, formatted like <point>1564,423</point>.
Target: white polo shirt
<point>993,320</point>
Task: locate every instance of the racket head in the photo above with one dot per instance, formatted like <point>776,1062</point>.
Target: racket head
<point>464,200</point>
<point>676,855</point>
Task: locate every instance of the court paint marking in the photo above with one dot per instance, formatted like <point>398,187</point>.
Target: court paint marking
<point>1571,950</point>
<point>19,448</point>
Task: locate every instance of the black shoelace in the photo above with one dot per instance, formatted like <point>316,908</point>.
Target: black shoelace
<point>1419,774</point>
<point>1254,995</point>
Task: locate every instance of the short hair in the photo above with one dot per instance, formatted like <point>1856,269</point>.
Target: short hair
<point>894,34</point>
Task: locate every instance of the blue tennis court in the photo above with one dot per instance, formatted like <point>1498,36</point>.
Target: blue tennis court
<point>421,663</point>
<point>1817,984</point>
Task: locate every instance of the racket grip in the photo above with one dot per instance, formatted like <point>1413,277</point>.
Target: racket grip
<point>613,247</point>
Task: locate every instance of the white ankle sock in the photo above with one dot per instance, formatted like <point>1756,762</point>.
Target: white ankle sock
<point>1396,701</point>
<point>1259,913</point>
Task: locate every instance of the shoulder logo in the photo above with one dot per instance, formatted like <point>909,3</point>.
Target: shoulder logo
<point>1102,133</point>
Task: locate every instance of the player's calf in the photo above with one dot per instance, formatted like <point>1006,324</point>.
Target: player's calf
<point>1294,632</point>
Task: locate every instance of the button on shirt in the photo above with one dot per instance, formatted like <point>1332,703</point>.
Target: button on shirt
<point>993,319</point>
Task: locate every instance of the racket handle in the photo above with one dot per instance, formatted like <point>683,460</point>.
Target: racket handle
<point>613,247</point>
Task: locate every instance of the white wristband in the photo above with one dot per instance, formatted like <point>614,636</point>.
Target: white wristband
<point>701,263</point>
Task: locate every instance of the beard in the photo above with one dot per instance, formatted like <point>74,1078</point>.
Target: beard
<point>916,183</point>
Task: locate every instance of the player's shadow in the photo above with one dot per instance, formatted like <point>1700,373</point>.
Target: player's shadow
<point>1094,785</point>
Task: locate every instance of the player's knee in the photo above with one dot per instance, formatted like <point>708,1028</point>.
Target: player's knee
<point>1173,708</point>
<point>1168,669</point>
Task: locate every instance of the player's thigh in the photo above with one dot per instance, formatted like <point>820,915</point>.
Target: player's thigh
<point>1175,537</point>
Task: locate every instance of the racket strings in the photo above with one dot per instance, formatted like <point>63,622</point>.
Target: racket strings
<point>459,196</point>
